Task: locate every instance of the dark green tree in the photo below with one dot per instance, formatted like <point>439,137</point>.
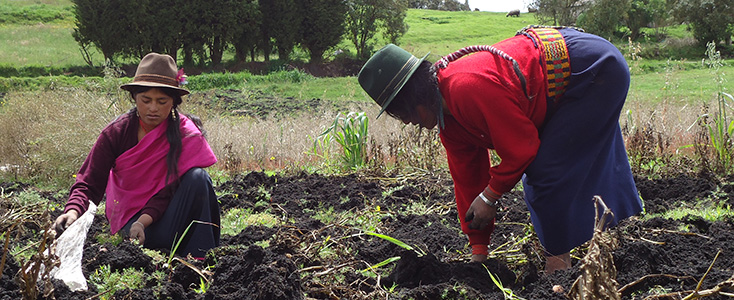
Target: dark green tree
<point>279,27</point>
<point>287,23</point>
<point>558,12</point>
<point>193,36</point>
<point>222,27</point>
<point>709,20</point>
<point>322,26</point>
<point>644,13</point>
<point>269,13</point>
<point>366,17</point>
<point>395,26</point>
<point>160,27</point>
<point>604,17</point>
<point>248,30</point>
<point>107,24</point>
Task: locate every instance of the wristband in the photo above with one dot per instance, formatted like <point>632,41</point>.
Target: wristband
<point>494,203</point>
<point>138,222</point>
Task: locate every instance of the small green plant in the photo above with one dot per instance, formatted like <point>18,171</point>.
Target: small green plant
<point>350,132</point>
<point>237,219</point>
<point>104,237</point>
<point>25,198</point>
<point>108,282</point>
<point>398,242</point>
<point>508,293</point>
<point>203,286</point>
<point>177,240</point>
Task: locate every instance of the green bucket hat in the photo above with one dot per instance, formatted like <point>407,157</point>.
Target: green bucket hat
<point>386,72</point>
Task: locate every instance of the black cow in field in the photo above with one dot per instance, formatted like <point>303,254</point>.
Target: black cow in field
<point>514,12</point>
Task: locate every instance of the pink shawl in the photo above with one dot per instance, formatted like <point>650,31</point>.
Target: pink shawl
<point>140,172</point>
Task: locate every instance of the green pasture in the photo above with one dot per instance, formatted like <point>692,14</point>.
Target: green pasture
<point>55,3</point>
<point>441,33</point>
<point>40,45</point>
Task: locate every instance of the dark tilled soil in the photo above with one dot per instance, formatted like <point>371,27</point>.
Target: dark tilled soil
<point>316,257</point>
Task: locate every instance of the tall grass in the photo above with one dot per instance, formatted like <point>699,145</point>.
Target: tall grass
<point>720,126</point>
<point>44,133</point>
<point>350,132</point>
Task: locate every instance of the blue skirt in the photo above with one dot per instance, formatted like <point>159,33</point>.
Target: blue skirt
<point>194,199</point>
<point>582,153</point>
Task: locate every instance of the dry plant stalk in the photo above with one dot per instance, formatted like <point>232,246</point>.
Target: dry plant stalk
<point>725,288</point>
<point>38,268</point>
<point>598,273</point>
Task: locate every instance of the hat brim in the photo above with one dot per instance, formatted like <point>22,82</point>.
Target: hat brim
<point>128,86</point>
<point>400,85</point>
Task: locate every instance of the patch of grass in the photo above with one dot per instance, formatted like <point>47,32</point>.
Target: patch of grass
<point>436,31</point>
<point>712,212</point>
<point>12,13</point>
<point>237,219</point>
<point>42,45</point>
<point>691,87</point>
<point>108,282</point>
<point>327,215</point>
<point>44,2</point>
<point>105,237</point>
<point>28,198</point>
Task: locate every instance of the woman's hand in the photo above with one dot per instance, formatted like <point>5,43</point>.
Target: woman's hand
<point>65,220</point>
<point>480,213</point>
<point>137,229</point>
<point>137,232</point>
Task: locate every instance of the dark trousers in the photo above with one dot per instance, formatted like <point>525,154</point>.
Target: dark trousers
<point>194,206</point>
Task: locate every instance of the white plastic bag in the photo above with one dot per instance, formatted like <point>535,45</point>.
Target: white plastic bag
<point>69,248</point>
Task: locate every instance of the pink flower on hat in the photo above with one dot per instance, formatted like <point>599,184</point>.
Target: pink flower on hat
<point>181,77</point>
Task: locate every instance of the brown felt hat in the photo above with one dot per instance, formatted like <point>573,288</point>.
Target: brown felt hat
<point>158,71</point>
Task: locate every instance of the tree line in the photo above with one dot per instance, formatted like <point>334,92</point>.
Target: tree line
<point>202,30</point>
<point>708,20</point>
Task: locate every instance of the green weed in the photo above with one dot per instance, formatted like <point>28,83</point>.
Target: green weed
<point>237,219</point>
<point>108,282</point>
<point>506,292</point>
<point>104,238</point>
<point>350,132</point>
<point>722,129</point>
<point>719,211</point>
<point>203,286</point>
<point>398,242</point>
<point>177,240</point>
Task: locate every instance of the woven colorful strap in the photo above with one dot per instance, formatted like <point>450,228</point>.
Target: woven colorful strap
<point>444,61</point>
<point>557,63</point>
